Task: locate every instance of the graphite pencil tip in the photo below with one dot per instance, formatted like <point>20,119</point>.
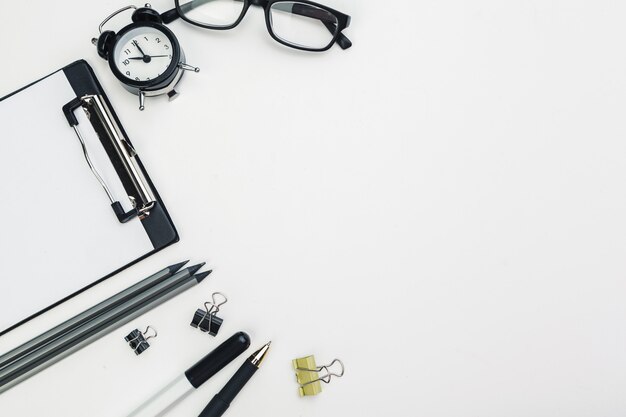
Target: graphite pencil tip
<point>193,269</point>
<point>174,268</point>
<point>202,275</point>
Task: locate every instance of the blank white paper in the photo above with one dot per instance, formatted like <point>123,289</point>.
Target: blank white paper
<point>59,232</point>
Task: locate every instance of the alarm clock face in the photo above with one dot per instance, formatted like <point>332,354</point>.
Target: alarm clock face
<point>144,55</point>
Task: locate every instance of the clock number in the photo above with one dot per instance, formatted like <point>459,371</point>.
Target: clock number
<point>127,51</point>
<point>166,46</point>
<point>137,78</point>
<point>158,40</point>
<point>128,73</point>
<point>126,62</point>
<point>146,39</point>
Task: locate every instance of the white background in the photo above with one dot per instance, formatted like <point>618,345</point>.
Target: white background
<point>441,206</point>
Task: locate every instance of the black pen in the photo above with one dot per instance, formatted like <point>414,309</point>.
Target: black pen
<point>220,403</point>
<point>163,401</point>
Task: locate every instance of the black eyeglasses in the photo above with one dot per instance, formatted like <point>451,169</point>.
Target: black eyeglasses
<point>301,24</point>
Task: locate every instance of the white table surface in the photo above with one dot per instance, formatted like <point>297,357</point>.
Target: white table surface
<point>441,206</point>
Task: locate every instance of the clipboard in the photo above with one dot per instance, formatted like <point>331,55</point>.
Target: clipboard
<point>78,205</point>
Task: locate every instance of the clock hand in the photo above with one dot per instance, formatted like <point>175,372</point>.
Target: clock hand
<point>149,56</point>
<point>139,47</point>
<point>145,58</point>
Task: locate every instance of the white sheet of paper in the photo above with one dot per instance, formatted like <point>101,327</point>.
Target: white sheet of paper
<point>59,232</point>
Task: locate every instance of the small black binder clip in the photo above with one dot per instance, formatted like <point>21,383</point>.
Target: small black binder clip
<point>138,341</point>
<point>207,320</point>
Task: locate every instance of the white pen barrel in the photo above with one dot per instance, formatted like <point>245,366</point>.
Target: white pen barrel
<point>164,400</point>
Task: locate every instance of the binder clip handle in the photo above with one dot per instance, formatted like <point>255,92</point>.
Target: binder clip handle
<point>216,302</point>
<point>326,368</point>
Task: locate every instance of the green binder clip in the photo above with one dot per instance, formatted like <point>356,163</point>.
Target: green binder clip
<point>308,374</point>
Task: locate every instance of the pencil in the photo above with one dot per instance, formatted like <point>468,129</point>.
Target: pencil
<point>92,330</point>
<point>87,315</point>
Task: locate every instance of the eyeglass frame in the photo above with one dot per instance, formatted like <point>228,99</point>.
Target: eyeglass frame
<point>343,21</point>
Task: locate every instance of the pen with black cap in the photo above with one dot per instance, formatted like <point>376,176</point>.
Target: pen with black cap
<point>164,400</point>
<point>221,401</point>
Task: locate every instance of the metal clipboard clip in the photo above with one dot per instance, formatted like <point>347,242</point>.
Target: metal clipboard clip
<point>122,155</point>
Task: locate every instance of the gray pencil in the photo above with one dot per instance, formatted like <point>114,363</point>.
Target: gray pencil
<point>87,315</point>
<point>102,325</point>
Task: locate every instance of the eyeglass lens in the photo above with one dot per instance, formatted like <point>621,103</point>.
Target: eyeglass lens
<point>293,22</point>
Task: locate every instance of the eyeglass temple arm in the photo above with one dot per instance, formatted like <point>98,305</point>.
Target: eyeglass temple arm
<point>342,40</point>
<point>303,10</point>
<point>170,15</point>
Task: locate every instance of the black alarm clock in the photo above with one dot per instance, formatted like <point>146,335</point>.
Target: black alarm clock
<point>145,56</point>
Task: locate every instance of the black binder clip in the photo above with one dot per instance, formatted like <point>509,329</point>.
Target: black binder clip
<point>207,320</point>
<point>138,341</point>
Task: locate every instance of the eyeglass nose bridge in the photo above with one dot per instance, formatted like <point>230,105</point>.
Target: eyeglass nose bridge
<point>261,3</point>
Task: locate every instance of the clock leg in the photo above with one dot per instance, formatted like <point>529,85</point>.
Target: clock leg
<point>173,94</point>
<point>188,67</point>
<point>142,99</point>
